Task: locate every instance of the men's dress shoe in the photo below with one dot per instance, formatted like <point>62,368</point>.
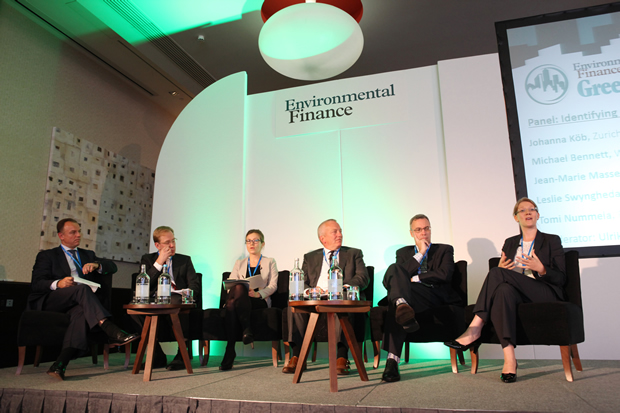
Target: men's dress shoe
<point>462,347</point>
<point>509,377</point>
<point>292,365</point>
<point>159,362</point>
<point>343,366</point>
<point>177,363</point>
<point>120,338</point>
<point>57,370</point>
<point>248,337</point>
<point>405,316</point>
<point>391,374</point>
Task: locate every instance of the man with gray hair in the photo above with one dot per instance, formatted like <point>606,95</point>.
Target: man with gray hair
<point>419,280</point>
<point>315,267</point>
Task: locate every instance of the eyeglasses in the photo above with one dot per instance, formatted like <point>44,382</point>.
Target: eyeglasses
<point>418,230</point>
<point>172,241</point>
<point>252,241</point>
<point>530,210</point>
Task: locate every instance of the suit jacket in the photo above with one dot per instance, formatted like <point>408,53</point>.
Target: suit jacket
<point>440,267</point>
<point>350,260</point>
<point>548,249</point>
<point>182,271</point>
<point>51,265</point>
<point>268,276</point>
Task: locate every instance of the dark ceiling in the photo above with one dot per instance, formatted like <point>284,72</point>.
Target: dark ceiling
<point>398,35</point>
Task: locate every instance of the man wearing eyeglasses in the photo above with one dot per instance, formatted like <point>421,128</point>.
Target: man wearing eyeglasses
<point>419,280</point>
<point>183,276</point>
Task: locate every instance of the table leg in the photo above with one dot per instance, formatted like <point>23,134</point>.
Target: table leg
<point>333,359</point>
<point>353,345</point>
<point>303,356</point>
<point>148,368</point>
<point>178,333</point>
<point>137,364</point>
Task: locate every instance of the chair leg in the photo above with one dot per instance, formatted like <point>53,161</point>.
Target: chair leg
<point>275,350</point>
<point>575,355</point>
<point>21,359</point>
<point>376,349</point>
<point>314,351</point>
<point>127,355</point>
<point>94,348</point>
<point>190,350</point>
<point>461,357</point>
<point>37,356</point>
<point>365,352</point>
<point>455,365</point>
<point>406,352</point>
<point>207,347</point>
<point>200,351</point>
<point>287,353</point>
<point>473,352</point>
<point>106,356</point>
<point>568,372</point>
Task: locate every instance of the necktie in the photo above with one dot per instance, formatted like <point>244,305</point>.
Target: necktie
<point>73,254</point>
<point>169,263</point>
<point>331,255</point>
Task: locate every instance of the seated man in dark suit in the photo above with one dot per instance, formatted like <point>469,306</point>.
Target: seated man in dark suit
<point>54,288</point>
<point>183,275</point>
<point>315,267</point>
<point>419,280</point>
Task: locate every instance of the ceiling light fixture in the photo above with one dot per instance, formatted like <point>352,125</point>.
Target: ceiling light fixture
<point>311,40</point>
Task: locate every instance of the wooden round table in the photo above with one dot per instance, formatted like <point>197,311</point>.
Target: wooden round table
<point>149,333</point>
<point>334,308</point>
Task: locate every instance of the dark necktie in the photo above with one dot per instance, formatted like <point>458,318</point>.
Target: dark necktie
<point>73,254</point>
<point>331,255</point>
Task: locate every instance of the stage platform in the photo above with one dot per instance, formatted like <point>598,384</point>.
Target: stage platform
<point>254,385</point>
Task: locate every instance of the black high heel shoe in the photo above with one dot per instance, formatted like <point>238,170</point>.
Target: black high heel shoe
<point>462,347</point>
<point>248,337</point>
<point>509,377</point>
<point>228,360</point>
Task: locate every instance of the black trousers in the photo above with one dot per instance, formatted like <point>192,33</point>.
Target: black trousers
<point>420,297</point>
<point>84,309</point>
<point>502,292</point>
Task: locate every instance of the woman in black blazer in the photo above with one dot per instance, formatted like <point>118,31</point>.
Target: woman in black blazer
<point>531,269</point>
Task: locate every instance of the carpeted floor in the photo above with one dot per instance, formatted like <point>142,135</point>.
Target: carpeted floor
<point>541,386</point>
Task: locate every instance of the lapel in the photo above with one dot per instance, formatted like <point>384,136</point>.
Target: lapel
<point>431,253</point>
<point>62,261</point>
<point>343,259</point>
<point>539,244</point>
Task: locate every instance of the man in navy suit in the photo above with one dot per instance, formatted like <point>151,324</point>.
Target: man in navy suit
<point>181,270</point>
<point>54,288</point>
<point>419,280</point>
<point>315,267</point>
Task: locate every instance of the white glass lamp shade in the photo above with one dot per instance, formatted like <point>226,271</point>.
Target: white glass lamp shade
<point>311,41</point>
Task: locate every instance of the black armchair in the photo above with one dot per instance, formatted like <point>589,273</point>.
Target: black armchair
<point>437,324</point>
<point>47,328</point>
<point>557,323</point>
<point>266,322</point>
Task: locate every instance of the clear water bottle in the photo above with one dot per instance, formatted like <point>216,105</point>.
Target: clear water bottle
<point>334,282</point>
<point>164,287</point>
<point>296,283</point>
<point>143,282</point>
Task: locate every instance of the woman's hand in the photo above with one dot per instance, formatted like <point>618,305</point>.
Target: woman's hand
<point>253,294</point>
<point>504,262</point>
<point>531,262</point>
